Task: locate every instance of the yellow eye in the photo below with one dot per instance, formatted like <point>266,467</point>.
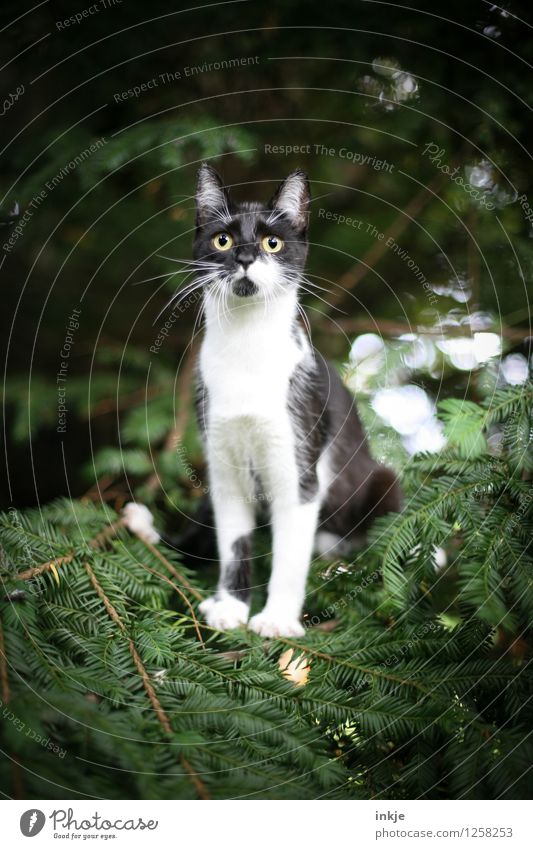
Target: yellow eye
<point>222,241</point>
<point>272,244</point>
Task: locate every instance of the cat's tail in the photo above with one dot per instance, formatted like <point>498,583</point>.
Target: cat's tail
<point>346,518</point>
<point>139,520</point>
<point>383,494</point>
<point>196,544</point>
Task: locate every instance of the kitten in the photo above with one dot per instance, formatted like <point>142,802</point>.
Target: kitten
<point>278,423</point>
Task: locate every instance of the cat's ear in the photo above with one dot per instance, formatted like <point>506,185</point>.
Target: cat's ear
<point>212,199</point>
<point>292,200</point>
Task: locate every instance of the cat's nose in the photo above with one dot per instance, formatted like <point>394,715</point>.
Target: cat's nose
<point>245,256</point>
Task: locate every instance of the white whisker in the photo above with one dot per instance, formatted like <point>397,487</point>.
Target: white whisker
<point>178,296</point>
<point>191,262</point>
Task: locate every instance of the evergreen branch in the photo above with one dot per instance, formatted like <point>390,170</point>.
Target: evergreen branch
<point>172,569</point>
<point>4,680</point>
<point>199,786</point>
<point>183,596</point>
<point>160,713</point>
<point>376,673</point>
<point>96,542</point>
<point>410,517</point>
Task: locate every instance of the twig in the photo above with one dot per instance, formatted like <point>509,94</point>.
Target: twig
<point>96,490</point>
<point>4,680</point>
<point>387,327</point>
<point>354,275</point>
<point>161,715</point>
<point>200,787</point>
<point>96,542</point>
<point>183,596</point>
<point>184,390</point>
<point>111,405</point>
<point>172,569</point>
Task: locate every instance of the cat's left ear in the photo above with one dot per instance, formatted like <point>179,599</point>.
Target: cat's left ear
<point>292,199</point>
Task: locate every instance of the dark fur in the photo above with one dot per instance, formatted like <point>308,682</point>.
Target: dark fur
<point>237,580</point>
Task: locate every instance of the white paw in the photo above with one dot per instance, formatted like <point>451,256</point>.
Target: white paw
<point>272,624</point>
<point>140,521</point>
<point>224,614</point>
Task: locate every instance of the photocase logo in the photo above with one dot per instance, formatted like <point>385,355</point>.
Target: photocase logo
<point>32,822</point>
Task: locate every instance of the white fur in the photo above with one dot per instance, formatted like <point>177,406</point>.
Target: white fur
<point>265,273</point>
<point>247,358</point>
<point>211,196</point>
<point>291,200</point>
<point>140,521</point>
<point>224,613</point>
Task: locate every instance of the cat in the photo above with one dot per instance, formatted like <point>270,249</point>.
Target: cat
<point>278,423</point>
<point>279,426</point>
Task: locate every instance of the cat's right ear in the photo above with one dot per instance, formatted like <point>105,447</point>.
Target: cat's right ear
<point>212,199</point>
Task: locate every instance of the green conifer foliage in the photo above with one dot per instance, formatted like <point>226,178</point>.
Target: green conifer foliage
<point>418,681</point>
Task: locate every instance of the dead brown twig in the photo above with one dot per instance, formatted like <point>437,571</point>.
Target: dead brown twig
<point>354,275</point>
<point>387,327</point>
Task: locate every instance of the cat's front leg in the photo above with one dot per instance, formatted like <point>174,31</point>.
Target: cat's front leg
<point>229,607</point>
<point>294,527</point>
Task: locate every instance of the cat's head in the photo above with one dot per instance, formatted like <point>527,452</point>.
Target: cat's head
<point>248,249</point>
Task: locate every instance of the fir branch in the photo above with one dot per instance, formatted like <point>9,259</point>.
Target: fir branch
<point>172,569</point>
<point>199,786</point>
<point>4,679</point>
<point>376,673</point>
<point>181,594</point>
<point>98,541</point>
<point>160,713</point>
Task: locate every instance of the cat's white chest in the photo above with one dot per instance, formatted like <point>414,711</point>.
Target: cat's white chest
<point>246,366</point>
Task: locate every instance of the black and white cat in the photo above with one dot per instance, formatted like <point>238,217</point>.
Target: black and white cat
<point>279,425</point>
